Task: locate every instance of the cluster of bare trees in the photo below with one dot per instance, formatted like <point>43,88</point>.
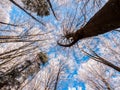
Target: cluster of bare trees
<point>101,72</point>
<point>98,76</point>
<point>17,75</point>
<point>23,38</point>
<point>49,78</point>
<point>20,57</point>
<point>105,20</point>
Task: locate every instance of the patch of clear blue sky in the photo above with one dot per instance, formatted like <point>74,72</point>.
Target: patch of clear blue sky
<point>16,12</point>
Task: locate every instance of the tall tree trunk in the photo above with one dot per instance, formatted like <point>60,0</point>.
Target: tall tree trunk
<point>105,20</point>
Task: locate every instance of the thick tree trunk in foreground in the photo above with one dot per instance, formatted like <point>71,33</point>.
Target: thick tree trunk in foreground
<point>105,20</point>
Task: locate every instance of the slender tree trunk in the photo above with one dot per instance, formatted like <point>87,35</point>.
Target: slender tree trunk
<point>57,80</point>
<point>98,58</point>
<point>107,84</point>
<point>110,64</point>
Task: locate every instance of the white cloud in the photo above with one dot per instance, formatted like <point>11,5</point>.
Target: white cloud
<point>79,88</point>
<point>75,88</point>
<point>62,2</point>
<point>71,88</point>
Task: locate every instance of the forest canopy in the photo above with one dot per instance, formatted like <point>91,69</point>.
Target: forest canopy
<point>59,45</point>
